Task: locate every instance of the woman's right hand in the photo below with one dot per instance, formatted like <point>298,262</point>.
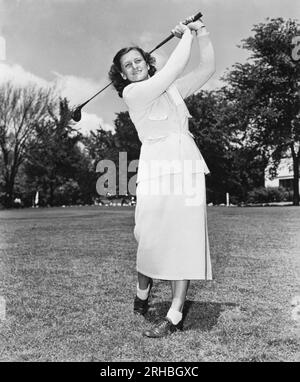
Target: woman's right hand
<point>196,25</point>
<point>180,29</point>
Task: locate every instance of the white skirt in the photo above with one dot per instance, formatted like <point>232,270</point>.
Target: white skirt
<point>171,228</point>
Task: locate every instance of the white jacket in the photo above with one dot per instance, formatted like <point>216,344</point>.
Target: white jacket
<point>159,113</point>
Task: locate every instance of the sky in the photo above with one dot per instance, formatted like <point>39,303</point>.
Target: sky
<point>71,43</point>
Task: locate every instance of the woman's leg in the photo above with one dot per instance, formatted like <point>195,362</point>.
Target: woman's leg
<point>173,288</point>
<point>143,281</point>
<point>179,291</point>
<point>143,288</point>
<point>173,321</point>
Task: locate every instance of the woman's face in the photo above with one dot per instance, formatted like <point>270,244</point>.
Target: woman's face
<point>134,67</point>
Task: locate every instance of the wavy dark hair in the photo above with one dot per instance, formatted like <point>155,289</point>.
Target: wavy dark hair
<point>115,71</point>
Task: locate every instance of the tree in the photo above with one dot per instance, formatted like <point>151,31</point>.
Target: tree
<point>213,140</point>
<point>266,91</point>
<point>21,109</point>
<point>55,164</point>
<point>234,168</point>
<point>99,145</point>
<point>126,137</point>
<point>108,145</point>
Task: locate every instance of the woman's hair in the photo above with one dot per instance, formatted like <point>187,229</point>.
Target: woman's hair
<point>115,71</point>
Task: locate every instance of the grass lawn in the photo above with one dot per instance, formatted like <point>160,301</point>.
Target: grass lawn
<point>68,279</point>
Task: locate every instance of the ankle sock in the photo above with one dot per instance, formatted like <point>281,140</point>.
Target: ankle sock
<point>142,293</point>
<point>174,315</point>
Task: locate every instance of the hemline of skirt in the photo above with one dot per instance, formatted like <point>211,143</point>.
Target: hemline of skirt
<point>170,278</point>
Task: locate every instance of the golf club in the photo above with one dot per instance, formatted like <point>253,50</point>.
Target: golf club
<point>76,114</point>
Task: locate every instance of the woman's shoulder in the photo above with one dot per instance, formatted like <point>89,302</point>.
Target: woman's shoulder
<point>127,88</point>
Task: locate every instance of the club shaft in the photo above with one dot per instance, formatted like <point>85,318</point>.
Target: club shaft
<point>100,91</point>
<point>189,20</point>
<point>194,18</point>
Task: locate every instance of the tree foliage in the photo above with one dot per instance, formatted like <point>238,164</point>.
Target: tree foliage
<point>21,110</point>
<point>233,167</point>
<point>55,164</point>
<point>266,91</point>
<point>121,145</point>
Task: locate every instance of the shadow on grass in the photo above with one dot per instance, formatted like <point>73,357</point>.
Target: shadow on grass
<point>196,314</point>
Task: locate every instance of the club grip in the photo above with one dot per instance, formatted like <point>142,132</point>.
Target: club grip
<point>197,16</point>
<point>192,18</point>
<point>187,21</point>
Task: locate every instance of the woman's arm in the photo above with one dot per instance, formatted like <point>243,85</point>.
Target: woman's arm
<point>193,81</point>
<point>146,91</point>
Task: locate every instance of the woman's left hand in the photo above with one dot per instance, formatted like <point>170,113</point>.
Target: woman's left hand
<point>179,30</point>
<point>196,25</point>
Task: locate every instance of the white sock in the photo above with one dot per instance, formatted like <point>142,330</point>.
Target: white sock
<point>174,315</point>
<point>142,293</point>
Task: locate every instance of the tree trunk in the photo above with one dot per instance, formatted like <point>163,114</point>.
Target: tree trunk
<point>9,193</point>
<point>296,176</point>
<point>51,196</point>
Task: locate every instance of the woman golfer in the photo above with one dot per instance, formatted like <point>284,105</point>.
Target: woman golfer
<point>170,216</point>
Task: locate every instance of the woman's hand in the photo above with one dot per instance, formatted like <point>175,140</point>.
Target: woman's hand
<point>179,30</point>
<point>196,25</point>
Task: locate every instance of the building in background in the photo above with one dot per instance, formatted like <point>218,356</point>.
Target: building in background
<point>285,175</point>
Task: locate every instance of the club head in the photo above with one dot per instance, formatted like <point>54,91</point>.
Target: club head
<point>76,115</point>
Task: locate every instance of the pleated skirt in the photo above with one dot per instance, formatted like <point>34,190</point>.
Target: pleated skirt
<point>171,228</point>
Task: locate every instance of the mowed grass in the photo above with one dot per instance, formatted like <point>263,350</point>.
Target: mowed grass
<point>68,278</point>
